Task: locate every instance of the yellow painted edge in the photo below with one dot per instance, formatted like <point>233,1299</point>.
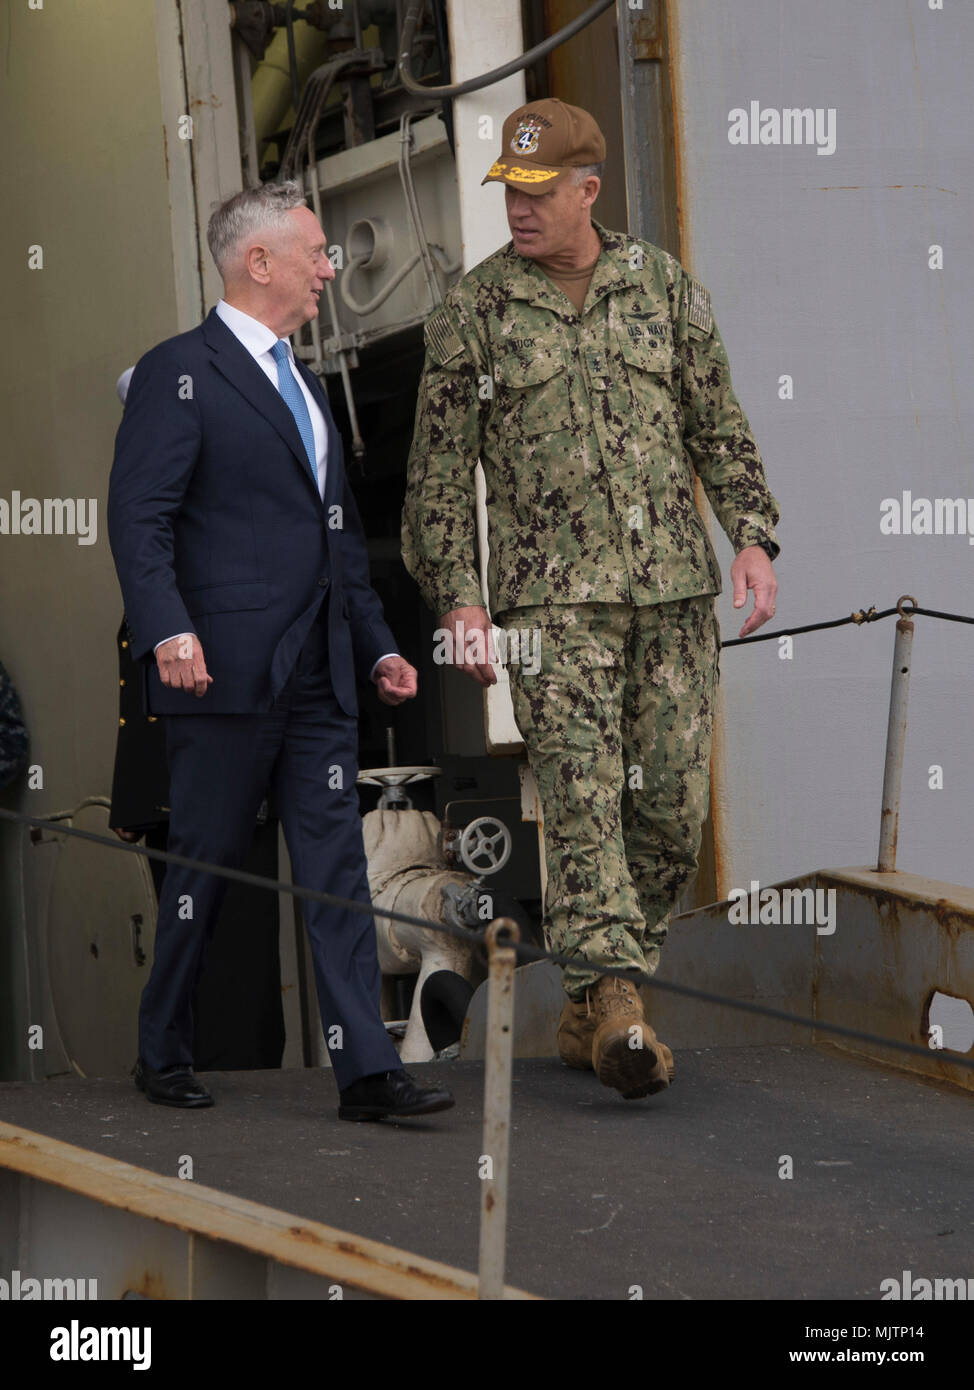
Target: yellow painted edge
<point>290,1240</point>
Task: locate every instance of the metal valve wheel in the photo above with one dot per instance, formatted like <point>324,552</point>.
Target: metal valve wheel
<point>485,845</point>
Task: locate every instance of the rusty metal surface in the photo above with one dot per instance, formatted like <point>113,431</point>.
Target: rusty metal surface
<point>582,72</point>
<point>648,128</point>
<point>676,237</point>
<point>122,1211</point>
<point>502,936</point>
<point>951,904</point>
<point>538,1000</point>
<point>899,939</point>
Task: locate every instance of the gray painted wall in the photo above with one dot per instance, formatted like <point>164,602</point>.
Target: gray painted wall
<point>86,179</point>
<point>818,267</point>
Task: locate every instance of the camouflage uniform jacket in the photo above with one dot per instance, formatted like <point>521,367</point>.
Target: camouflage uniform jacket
<point>588,427</point>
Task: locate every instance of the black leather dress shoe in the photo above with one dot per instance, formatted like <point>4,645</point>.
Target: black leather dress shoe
<point>390,1093</point>
<point>172,1086</point>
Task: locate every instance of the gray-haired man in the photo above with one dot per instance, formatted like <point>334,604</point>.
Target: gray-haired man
<point>235,534</point>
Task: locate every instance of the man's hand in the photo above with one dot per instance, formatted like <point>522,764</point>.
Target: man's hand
<point>129,836</point>
<point>396,680</point>
<point>181,664</point>
<point>461,622</point>
<point>752,570</point>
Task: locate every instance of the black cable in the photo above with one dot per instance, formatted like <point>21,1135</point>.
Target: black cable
<point>868,616</point>
<point>475,84</point>
<point>524,951</point>
<point>932,613</point>
<point>858,618</point>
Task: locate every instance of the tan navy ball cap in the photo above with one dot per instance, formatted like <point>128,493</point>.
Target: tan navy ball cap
<point>541,144</point>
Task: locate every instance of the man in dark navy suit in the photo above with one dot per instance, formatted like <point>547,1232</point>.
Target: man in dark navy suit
<point>243,568</point>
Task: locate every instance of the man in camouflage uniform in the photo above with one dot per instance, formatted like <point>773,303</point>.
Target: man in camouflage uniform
<point>584,369</point>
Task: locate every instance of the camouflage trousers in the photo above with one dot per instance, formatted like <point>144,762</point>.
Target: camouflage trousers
<point>617,724</point>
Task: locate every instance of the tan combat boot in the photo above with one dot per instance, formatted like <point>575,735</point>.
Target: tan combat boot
<point>626,1053</point>
<point>576,1029</point>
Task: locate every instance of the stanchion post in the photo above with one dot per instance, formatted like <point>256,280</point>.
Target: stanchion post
<point>895,738</point>
<point>502,936</point>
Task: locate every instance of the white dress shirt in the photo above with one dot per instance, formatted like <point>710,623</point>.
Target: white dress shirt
<point>258,339</point>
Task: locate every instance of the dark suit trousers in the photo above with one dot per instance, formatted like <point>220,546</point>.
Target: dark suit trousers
<point>220,767</point>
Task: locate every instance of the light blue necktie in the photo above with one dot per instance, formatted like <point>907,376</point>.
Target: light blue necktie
<point>294,399</point>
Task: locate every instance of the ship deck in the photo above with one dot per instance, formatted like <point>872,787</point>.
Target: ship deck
<point>679,1194</point>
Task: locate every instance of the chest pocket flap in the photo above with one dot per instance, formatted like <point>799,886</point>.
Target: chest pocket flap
<point>519,372</point>
<point>531,395</point>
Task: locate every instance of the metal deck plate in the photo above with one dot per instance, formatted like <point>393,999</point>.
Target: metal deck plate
<point>678,1195</point>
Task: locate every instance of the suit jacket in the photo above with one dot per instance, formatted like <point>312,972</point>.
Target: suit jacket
<point>217,528</point>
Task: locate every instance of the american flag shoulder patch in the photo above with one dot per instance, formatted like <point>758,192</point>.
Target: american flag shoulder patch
<point>700,313</point>
<point>442,339</point>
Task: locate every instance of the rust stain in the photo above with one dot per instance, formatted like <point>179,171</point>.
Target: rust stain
<point>647,41</point>
<point>671,47</point>
<point>165,150</point>
<point>434,1280</point>
<point>953,922</point>
<point>894,906</point>
<point>302,1233</point>
<point>941,1063</point>
<point>147,1285</point>
<point>349,1247</point>
<point>864,187</point>
<point>717,843</point>
<point>891,815</point>
<point>672,42</point>
<point>891,901</point>
<point>925,1011</point>
<point>489,1201</point>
